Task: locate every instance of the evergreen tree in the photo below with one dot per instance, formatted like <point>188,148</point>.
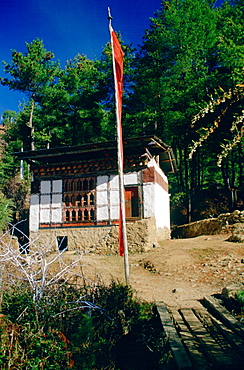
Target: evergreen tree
<point>72,108</point>
<point>186,63</point>
<point>175,72</point>
<point>30,73</point>
<point>105,65</point>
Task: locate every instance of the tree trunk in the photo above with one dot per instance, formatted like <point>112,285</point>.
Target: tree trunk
<point>32,144</point>
<point>187,185</point>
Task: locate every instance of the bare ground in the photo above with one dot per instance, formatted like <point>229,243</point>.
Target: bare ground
<point>179,272</point>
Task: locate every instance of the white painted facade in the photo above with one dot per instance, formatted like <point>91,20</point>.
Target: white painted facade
<point>156,204</point>
<point>108,195</point>
<point>156,199</point>
<point>46,207</point>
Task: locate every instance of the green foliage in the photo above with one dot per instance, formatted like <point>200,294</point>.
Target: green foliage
<point>178,199</point>
<point>174,66</point>
<point>6,210</point>
<point>91,327</point>
<point>75,103</point>
<point>185,84</point>
<point>31,71</point>
<point>7,169</point>
<point>189,89</point>
<point>65,107</point>
<point>240,297</point>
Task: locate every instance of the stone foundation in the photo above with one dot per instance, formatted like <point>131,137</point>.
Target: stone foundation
<point>142,235</point>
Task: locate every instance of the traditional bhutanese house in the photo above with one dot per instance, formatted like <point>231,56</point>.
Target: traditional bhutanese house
<point>75,195</point>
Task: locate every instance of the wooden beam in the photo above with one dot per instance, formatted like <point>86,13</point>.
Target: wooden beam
<point>219,358</point>
<point>178,350</point>
<point>230,321</point>
<point>235,341</point>
<point>198,360</point>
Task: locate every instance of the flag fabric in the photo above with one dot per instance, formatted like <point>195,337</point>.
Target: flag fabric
<point>118,81</point>
<point>118,56</point>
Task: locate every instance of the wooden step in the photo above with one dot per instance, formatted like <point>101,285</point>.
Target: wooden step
<point>208,322</point>
<point>178,350</point>
<point>218,358</point>
<point>196,356</point>
<point>224,315</point>
<point>203,339</point>
<point>235,341</point>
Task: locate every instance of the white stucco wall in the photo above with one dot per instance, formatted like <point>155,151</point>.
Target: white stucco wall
<point>156,204</point>
<point>162,210</point>
<point>56,202</point>
<point>108,195</point>
<point>131,178</point>
<point>56,215</point>
<point>57,186</point>
<point>114,197</point>
<point>45,215</point>
<point>34,212</point>
<point>156,199</point>
<point>46,207</point>
<point>148,199</point>
<point>102,198</point>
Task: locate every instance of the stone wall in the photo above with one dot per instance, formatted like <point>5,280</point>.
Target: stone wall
<point>142,236</point>
<point>209,226</point>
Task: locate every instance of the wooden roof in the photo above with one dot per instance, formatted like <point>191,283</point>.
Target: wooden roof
<point>140,145</point>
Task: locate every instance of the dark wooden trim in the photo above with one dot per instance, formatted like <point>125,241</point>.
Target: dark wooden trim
<point>150,174</point>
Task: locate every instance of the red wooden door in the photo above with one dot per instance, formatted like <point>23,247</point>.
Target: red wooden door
<point>131,202</point>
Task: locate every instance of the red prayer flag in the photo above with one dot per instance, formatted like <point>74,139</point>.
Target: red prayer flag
<point>118,80</point>
<point>118,63</point>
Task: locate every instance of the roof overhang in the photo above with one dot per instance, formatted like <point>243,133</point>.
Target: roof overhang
<point>151,143</point>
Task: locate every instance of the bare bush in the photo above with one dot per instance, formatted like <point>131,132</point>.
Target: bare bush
<point>39,267</point>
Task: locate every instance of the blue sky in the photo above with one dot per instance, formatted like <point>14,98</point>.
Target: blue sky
<point>68,27</point>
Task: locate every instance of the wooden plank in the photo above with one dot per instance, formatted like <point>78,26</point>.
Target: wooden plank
<point>224,315</point>
<point>217,357</point>
<point>197,358</point>
<point>218,336</point>
<point>179,353</point>
<point>205,318</point>
<point>235,341</point>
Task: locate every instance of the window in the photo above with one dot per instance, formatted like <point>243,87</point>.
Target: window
<point>35,186</point>
<point>51,201</point>
<point>62,243</point>
<point>79,200</point>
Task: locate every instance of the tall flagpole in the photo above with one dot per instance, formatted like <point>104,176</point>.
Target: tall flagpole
<point>117,55</point>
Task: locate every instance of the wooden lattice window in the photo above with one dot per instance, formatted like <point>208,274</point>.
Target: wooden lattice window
<point>79,200</point>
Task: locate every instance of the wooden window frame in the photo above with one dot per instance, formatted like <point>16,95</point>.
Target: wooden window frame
<point>79,200</point>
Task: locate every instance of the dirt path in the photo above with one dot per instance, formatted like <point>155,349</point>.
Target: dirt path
<point>178,272</point>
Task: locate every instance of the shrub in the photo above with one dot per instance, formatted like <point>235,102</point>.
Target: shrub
<point>6,206</point>
<point>80,328</point>
<point>240,298</point>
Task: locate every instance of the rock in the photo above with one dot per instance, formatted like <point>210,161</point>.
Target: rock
<point>231,290</point>
<point>237,233</point>
<point>177,290</point>
<point>210,226</point>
